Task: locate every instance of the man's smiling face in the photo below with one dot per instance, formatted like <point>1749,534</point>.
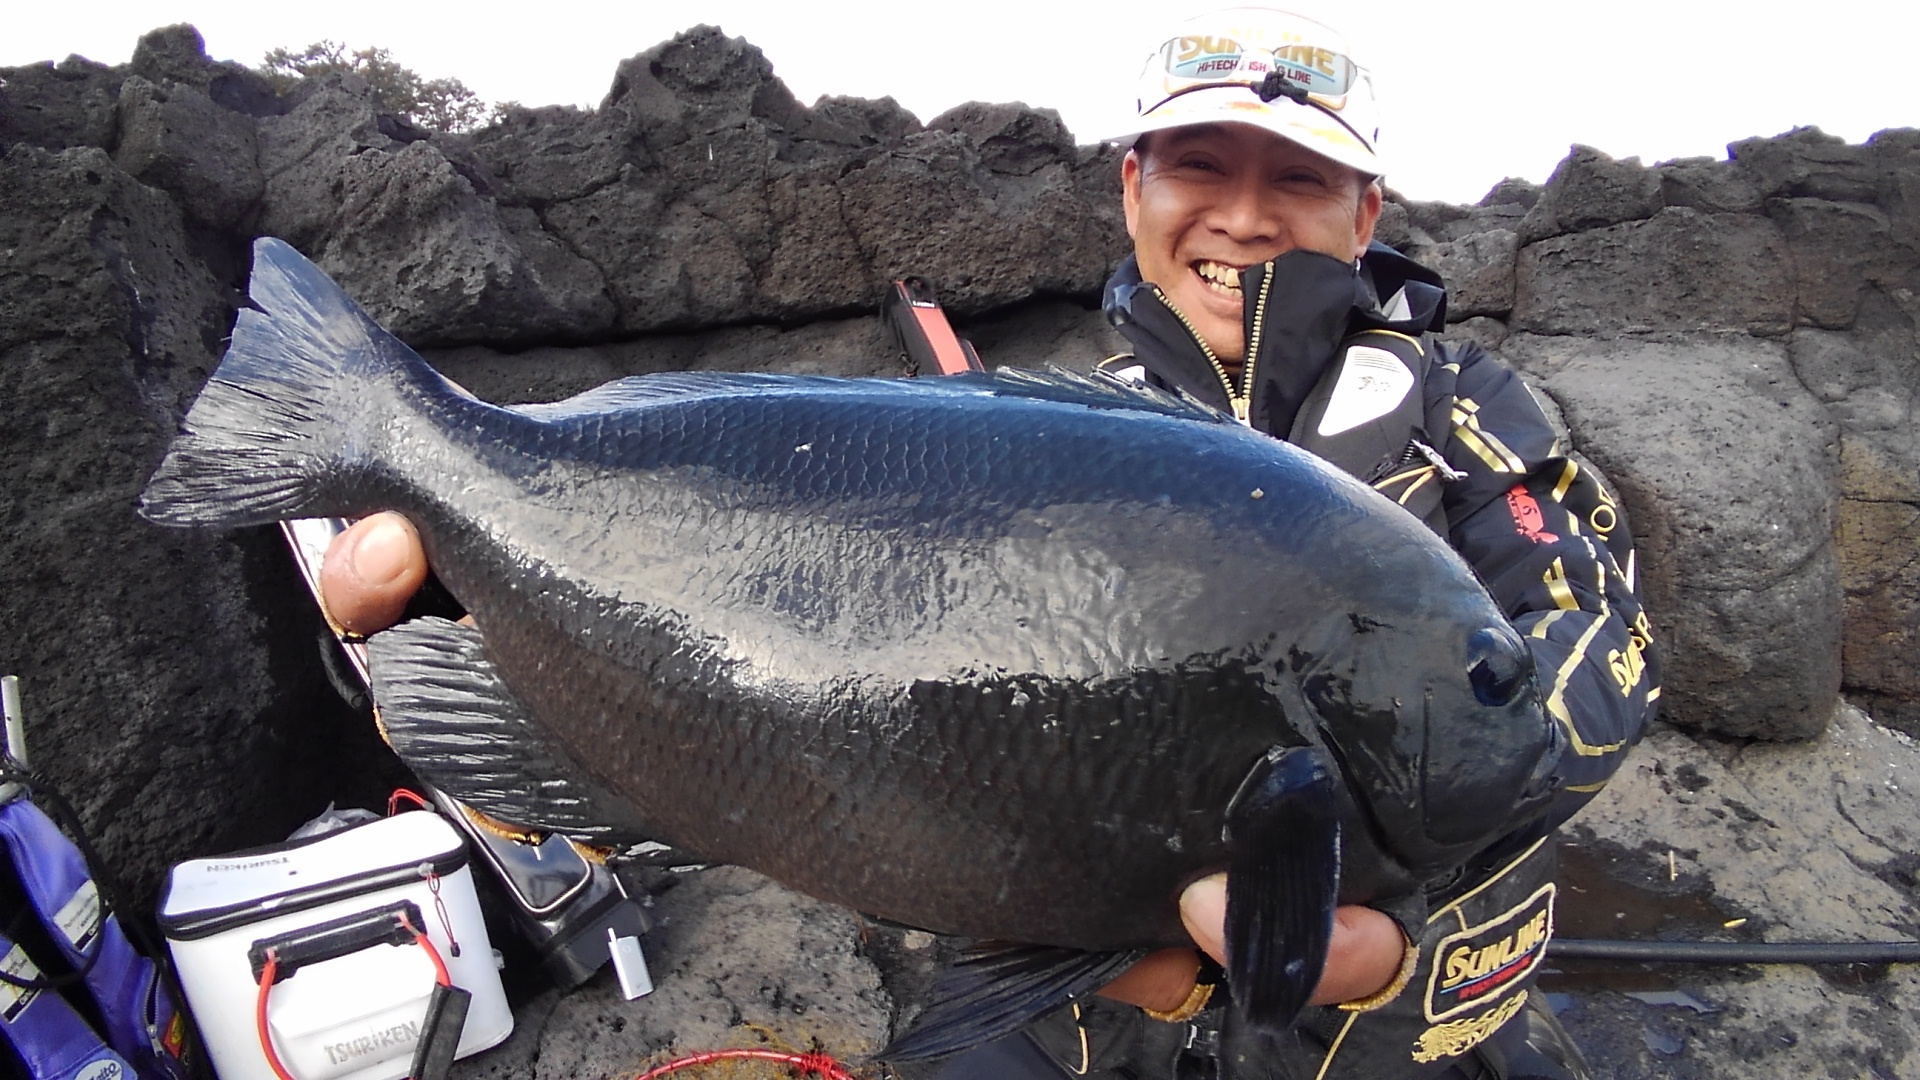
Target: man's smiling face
<point>1203,202</point>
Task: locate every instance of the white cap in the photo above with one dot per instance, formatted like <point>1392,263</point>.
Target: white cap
<point>1214,68</point>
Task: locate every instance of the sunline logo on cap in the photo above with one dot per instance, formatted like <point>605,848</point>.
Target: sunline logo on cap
<point>1269,68</point>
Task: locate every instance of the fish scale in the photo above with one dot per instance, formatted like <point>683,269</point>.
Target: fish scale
<point>996,655</point>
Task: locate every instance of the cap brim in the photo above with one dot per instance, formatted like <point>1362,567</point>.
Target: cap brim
<point>1307,126</point>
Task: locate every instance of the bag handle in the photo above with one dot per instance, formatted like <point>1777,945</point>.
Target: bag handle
<point>276,958</point>
<point>289,952</point>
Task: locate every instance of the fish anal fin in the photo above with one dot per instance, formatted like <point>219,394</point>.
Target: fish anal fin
<point>451,718</point>
<point>997,989</point>
<point>1283,882</point>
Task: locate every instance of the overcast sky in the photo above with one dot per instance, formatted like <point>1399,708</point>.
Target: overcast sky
<point>1471,91</point>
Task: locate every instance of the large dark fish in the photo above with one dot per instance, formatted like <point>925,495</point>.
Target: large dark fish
<point>1011,656</point>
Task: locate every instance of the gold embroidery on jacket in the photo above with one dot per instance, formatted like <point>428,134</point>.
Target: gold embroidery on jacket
<point>1458,1037</point>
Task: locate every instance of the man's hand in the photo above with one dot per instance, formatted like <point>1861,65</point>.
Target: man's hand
<point>1362,958</point>
<point>371,571</point>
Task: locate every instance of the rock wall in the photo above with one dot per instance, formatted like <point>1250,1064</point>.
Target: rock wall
<point>171,679</point>
<point>1732,343</point>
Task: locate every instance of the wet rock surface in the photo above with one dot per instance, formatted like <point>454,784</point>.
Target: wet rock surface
<point>1733,343</point>
<point>1756,842</point>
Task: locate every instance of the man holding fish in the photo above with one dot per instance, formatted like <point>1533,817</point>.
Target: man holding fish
<point>1251,188</point>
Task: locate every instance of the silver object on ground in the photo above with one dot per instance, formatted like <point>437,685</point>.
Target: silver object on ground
<point>16,731</point>
<point>629,965</point>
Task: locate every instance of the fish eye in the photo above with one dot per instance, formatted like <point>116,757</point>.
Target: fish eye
<point>1498,666</point>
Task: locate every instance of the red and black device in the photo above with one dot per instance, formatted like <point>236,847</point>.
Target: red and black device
<point>919,327</point>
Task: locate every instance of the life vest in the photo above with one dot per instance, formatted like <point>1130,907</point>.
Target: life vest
<point>1374,414</point>
<point>107,1016</point>
<point>48,1039</point>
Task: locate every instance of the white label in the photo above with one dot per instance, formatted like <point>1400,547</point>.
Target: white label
<point>1372,384</point>
<point>13,998</point>
<point>79,917</point>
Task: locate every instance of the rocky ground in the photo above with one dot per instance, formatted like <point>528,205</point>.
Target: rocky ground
<point>1695,840</point>
<point>1809,841</point>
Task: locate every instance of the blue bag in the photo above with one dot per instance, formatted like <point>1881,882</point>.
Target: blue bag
<point>49,1039</point>
<point>139,1020</point>
<point>103,1011</point>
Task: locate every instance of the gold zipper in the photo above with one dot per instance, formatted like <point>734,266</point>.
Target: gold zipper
<point>1241,403</point>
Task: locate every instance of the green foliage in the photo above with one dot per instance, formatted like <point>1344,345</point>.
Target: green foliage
<point>434,104</point>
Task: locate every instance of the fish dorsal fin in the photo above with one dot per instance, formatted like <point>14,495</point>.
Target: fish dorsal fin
<point>636,391</point>
<point>449,716</point>
<point>1096,391</point>
<point>997,989</point>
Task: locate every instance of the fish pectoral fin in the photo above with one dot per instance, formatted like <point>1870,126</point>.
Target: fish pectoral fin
<point>1283,882</point>
<point>451,718</point>
<point>995,990</point>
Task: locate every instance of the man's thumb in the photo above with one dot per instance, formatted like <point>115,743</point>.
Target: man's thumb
<point>1203,907</point>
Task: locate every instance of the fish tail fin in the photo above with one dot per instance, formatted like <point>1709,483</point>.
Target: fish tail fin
<point>276,426</point>
<point>1282,885</point>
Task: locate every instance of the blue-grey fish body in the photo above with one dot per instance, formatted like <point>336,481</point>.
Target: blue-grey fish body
<point>990,655</point>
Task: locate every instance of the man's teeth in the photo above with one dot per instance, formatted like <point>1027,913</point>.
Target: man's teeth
<point>1219,276</point>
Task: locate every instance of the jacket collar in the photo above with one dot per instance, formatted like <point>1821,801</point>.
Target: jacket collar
<point>1402,295</point>
<point>1313,302</point>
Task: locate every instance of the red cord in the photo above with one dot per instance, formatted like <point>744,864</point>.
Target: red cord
<point>440,908</point>
<point>403,795</point>
<point>439,966</point>
<point>272,967</point>
<point>267,973</point>
<point>815,1063</point>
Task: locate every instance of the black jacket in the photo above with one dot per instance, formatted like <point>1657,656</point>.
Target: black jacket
<point>1548,540</point>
